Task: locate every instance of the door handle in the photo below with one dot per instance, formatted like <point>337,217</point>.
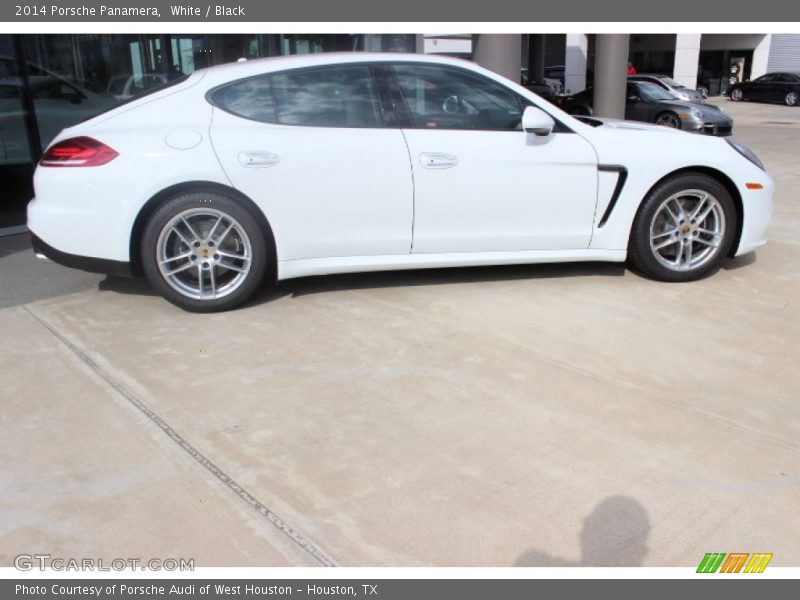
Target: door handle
<point>437,160</point>
<point>258,159</point>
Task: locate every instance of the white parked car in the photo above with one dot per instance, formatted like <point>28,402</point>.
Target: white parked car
<point>331,163</point>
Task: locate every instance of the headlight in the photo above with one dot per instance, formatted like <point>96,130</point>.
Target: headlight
<point>746,152</point>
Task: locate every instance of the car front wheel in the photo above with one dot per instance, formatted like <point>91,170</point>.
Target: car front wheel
<point>684,229</point>
<point>669,119</point>
<point>791,98</point>
<point>204,252</point>
<point>736,94</point>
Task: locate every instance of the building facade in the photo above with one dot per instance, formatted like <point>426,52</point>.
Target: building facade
<point>48,82</point>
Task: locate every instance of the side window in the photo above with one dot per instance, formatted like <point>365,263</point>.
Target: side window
<point>337,96</point>
<point>249,98</point>
<point>450,98</point>
<point>765,78</point>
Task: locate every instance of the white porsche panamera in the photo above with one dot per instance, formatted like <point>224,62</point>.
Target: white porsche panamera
<point>294,166</point>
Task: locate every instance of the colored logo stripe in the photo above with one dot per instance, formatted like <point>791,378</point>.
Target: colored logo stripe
<point>711,562</point>
<point>758,563</point>
<point>734,562</point>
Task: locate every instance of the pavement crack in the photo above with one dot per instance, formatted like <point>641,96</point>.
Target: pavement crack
<point>262,509</point>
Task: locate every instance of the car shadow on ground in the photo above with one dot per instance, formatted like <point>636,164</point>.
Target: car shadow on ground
<point>304,286</point>
<point>614,534</point>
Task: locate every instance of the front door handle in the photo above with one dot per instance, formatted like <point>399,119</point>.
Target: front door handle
<point>258,159</point>
<point>437,160</point>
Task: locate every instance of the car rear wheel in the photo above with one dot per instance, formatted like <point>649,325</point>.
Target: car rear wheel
<point>668,119</point>
<point>204,252</point>
<point>684,229</point>
<point>791,98</point>
<point>736,94</point>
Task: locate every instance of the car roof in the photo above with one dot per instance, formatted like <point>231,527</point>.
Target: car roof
<point>247,68</point>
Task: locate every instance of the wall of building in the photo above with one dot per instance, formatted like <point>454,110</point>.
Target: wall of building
<point>784,52</point>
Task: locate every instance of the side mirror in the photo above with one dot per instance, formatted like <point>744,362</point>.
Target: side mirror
<point>536,121</point>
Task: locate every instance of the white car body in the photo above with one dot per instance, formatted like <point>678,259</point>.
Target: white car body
<point>358,199</point>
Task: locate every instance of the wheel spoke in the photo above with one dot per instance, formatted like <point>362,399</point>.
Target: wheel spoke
<point>232,267</point>
<point>673,216</point>
<point>180,269</point>
<point>191,230</point>
<point>707,211</point>
<point>687,248</point>
<point>700,204</point>
<point>665,243</point>
<point>653,238</point>
<point>180,235</point>
<point>200,279</point>
<point>213,280</point>
<point>714,242</point>
<point>214,228</point>
<point>174,258</point>
<point>225,233</point>
<point>232,255</point>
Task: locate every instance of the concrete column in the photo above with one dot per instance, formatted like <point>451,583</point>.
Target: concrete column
<point>761,57</point>
<point>536,57</point>
<point>502,53</point>
<point>420,44</point>
<point>575,62</point>
<point>610,74</point>
<point>687,57</point>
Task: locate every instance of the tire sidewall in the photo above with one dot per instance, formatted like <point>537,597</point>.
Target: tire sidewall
<point>196,199</point>
<point>639,251</point>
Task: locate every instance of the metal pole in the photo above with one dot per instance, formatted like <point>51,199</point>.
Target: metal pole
<point>536,57</point>
<point>610,74</point>
<point>26,98</point>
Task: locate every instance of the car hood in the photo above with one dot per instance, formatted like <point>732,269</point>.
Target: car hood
<point>632,125</point>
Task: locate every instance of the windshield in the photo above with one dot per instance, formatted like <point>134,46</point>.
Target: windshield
<point>650,92</point>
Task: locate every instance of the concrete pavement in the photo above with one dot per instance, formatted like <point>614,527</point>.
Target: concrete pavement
<point>537,415</point>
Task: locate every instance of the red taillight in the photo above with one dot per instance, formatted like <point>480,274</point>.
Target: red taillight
<point>78,152</point>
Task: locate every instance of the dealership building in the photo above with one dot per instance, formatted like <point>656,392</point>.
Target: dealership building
<point>48,82</point>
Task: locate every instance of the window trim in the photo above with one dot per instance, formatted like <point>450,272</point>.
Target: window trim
<point>209,95</point>
<point>404,117</point>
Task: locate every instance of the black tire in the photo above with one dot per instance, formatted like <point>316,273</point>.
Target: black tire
<point>643,258</point>
<point>736,94</point>
<point>668,116</point>
<point>791,98</point>
<point>246,284</point>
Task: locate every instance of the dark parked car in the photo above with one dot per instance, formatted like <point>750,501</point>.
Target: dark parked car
<point>681,92</point>
<point>772,87</point>
<point>651,103</point>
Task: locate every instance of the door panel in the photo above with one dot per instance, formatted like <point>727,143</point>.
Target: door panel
<point>502,191</point>
<point>480,183</point>
<point>325,191</point>
<point>308,146</point>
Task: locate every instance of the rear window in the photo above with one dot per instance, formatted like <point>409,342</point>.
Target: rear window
<point>334,96</point>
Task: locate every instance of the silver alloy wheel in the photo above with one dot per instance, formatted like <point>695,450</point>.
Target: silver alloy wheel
<point>687,230</point>
<point>669,120</point>
<point>736,94</point>
<point>791,99</point>
<point>204,253</point>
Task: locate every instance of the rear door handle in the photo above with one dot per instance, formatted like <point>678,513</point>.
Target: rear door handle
<point>258,159</point>
<point>437,160</point>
